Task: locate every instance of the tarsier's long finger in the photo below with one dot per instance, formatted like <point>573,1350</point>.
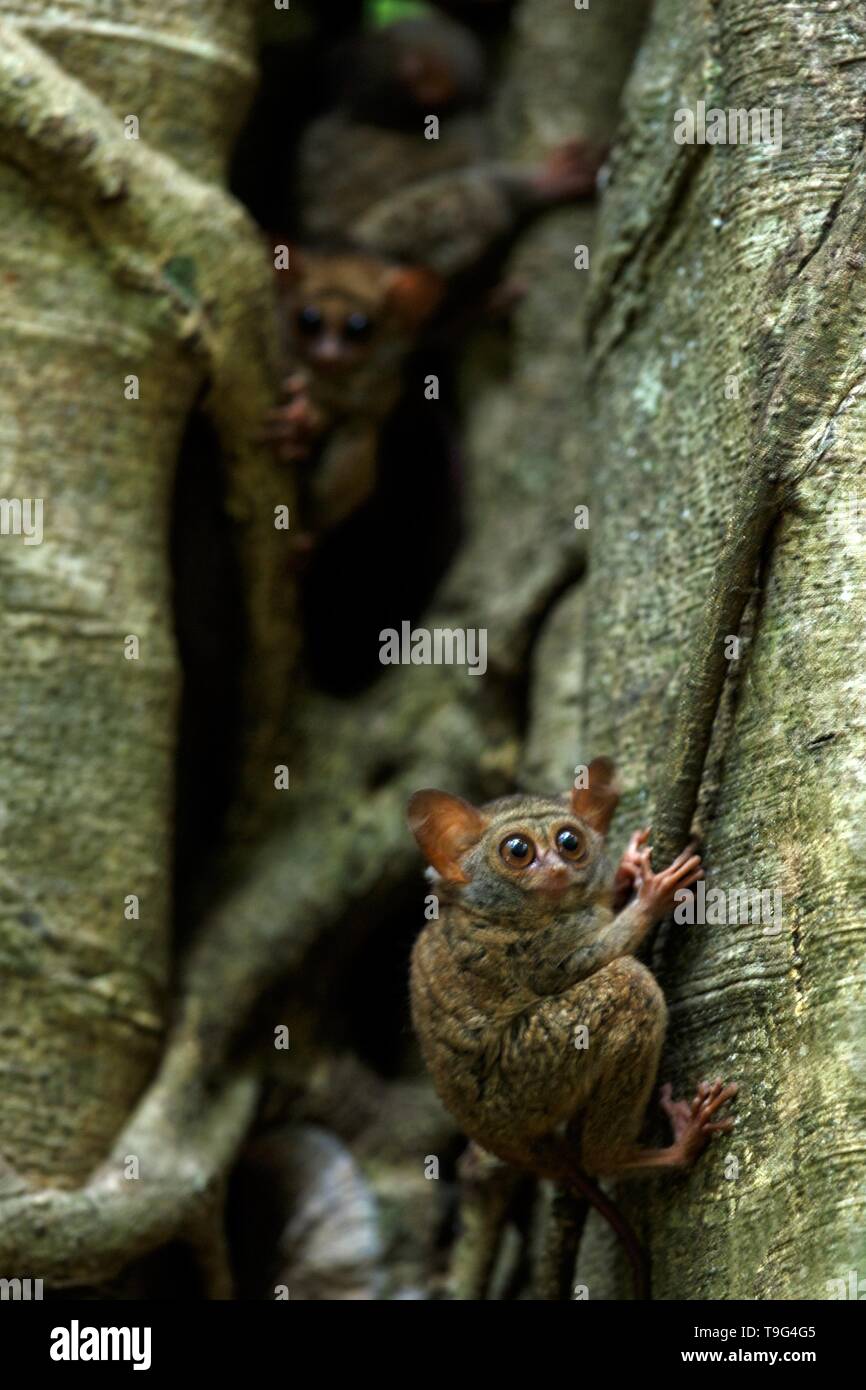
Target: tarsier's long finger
<point>700,1096</point>
<point>692,878</point>
<point>719,1126</point>
<point>638,840</point>
<point>718,1098</point>
<point>681,867</point>
<point>684,855</point>
<point>711,1088</point>
<point>645,860</point>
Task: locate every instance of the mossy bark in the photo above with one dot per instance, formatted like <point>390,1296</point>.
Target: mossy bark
<point>712,268</point>
<point>130,281</point>
<point>726,333</point>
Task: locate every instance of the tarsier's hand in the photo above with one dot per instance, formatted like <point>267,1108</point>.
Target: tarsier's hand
<point>656,892</point>
<point>294,427</point>
<point>625,880</point>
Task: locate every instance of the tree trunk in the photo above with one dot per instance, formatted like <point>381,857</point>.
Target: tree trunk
<point>722,338</point>
<point>699,390</point>
<point>130,281</point>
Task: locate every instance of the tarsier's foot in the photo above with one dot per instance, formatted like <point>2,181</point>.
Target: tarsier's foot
<point>570,171</point>
<point>657,892</point>
<point>692,1123</point>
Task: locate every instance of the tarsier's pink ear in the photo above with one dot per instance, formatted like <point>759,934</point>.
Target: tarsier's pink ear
<point>445,827</point>
<point>596,802</point>
<point>415,292</point>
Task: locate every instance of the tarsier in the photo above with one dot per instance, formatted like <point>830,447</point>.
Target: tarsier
<point>404,167</point>
<point>392,215</point>
<point>351,320</point>
<point>372,143</point>
<point>534,944</point>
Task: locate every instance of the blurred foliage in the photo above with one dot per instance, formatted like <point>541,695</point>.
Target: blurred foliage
<point>389,11</point>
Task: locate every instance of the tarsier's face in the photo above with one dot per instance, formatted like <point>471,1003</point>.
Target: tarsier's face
<point>433,64</point>
<point>520,858</point>
<point>346,308</point>
<point>533,859</point>
<point>333,332</point>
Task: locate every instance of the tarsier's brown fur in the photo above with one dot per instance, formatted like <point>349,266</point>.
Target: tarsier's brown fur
<point>371,174</point>
<point>388,216</point>
<point>342,387</point>
<point>522,955</point>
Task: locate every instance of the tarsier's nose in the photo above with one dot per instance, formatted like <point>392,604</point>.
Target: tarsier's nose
<point>328,351</point>
<point>551,875</point>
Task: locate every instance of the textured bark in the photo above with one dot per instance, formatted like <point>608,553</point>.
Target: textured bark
<point>718,262</point>
<point>708,262</point>
<point>119,257</point>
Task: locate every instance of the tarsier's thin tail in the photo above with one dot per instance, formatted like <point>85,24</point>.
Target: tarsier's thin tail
<point>584,1186</point>
<point>555,1158</point>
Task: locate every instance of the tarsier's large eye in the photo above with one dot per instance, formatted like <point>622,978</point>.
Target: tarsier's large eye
<point>570,843</point>
<point>357,328</point>
<point>517,851</point>
<point>310,321</point>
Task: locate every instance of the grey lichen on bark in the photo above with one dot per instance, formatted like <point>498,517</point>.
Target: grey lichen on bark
<point>165,289</point>
<point>721,271</point>
<point>710,266</point>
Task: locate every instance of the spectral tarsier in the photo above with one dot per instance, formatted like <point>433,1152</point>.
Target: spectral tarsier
<point>534,943</point>
<point>369,171</point>
<point>410,211</point>
<point>351,320</point>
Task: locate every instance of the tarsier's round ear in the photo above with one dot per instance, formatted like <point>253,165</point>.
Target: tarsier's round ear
<point>415,292</point>
<point>596,802</point>
<point>445,827</point>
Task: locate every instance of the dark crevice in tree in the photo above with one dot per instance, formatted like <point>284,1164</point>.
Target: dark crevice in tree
<point>383,565</point>
<point>212,641</point>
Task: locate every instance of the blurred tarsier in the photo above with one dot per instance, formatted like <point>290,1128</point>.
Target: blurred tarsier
<point>406,213</point>
<point>352,320</point>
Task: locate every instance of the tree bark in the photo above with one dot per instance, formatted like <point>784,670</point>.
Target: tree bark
<point>727,265</point>
<point>130,282</point>
<point>700,391</point>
